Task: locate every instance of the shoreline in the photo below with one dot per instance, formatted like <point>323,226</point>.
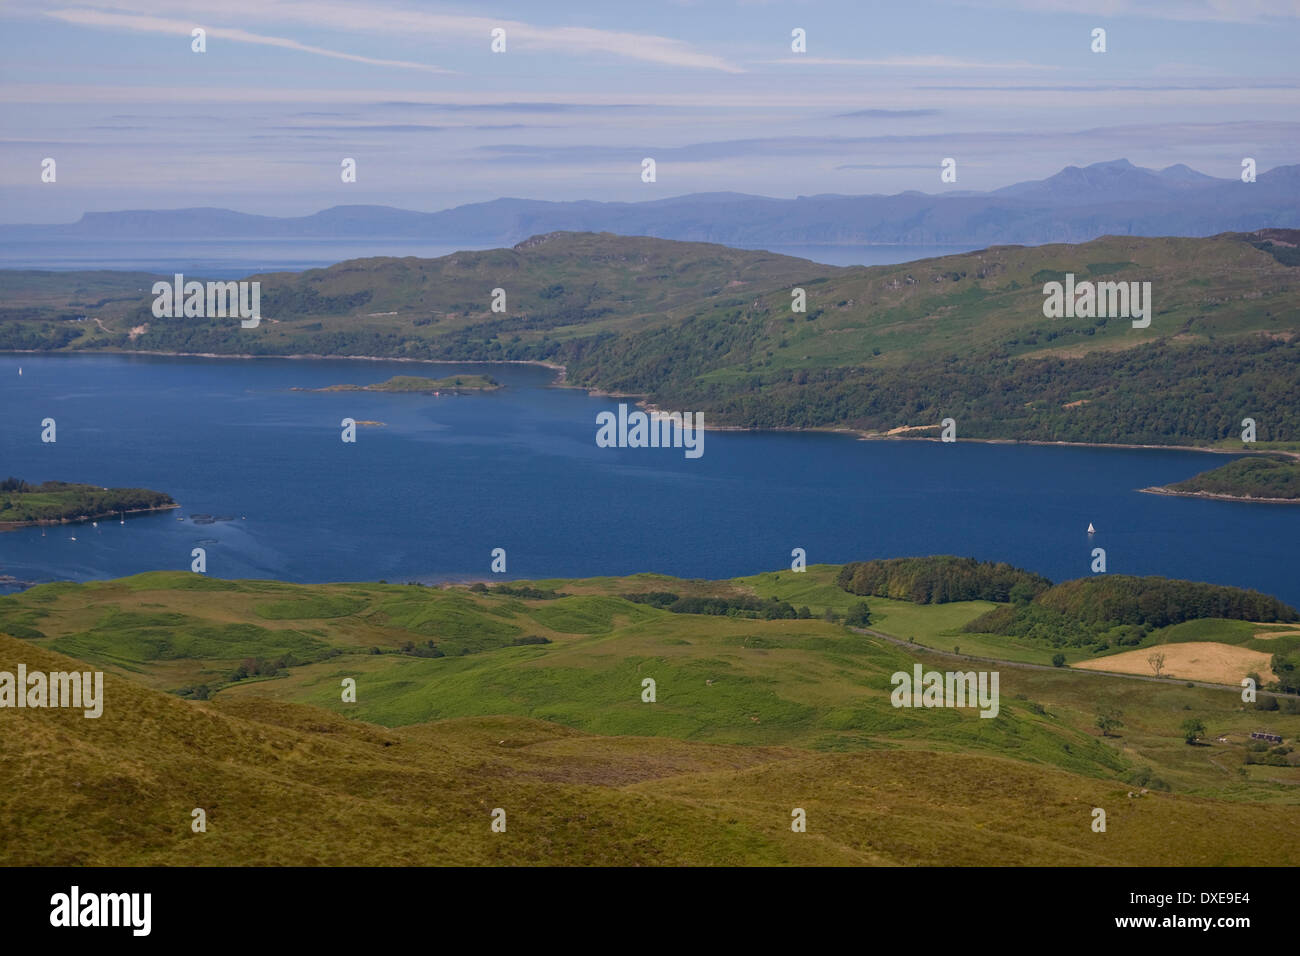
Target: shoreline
<point>862,435</point>
<point>449,389</point>
<point>560,381</point>
<point>297,355</point>
<point>874,436</point>
<point>50,522</point>
<point>1215,496</point>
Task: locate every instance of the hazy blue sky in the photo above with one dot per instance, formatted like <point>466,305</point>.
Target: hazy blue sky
<point>711,89</point>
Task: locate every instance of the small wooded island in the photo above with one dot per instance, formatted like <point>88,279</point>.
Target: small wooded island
<point>62,502</point>
<point>1271,479</point>
<point>415,383</point>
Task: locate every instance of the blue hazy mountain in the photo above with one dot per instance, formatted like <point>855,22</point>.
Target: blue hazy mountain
<point>1074,205</point>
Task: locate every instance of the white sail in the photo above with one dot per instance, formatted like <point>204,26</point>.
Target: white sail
<point>1091,529</point>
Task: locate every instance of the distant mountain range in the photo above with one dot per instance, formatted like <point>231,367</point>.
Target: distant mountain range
<point>1075,205</point>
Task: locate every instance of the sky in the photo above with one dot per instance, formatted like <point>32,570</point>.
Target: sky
<point>584,91</point>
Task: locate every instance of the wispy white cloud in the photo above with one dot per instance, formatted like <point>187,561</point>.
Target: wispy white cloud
<point>144,24</point>
<point>812,99</point>
<point>1234,11</point>
<point>988,141</point>
<point>919,62</point>
<point>382,18</point>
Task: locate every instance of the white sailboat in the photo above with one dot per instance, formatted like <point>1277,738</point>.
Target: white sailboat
<point>1091,529</point>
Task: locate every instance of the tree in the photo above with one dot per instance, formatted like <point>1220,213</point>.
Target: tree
<point>1288,681</point>
<point>1193,729</point>
<point>1058,660</point>
<point>859,615</point>
<point>1108,720</point>
<point>1022,593</point>
<point>1157,662</point>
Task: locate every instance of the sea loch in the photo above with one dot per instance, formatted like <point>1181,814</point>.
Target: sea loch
<point>447,480</point>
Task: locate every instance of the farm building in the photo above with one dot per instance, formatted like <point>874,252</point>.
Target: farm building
<point>1261,735</point>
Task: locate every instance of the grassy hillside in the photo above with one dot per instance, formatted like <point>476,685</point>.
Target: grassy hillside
<point>285,783</point>
<point>556,287</point>
<point>709,328</point>
<point>293,784</point>
<point>430,663</point>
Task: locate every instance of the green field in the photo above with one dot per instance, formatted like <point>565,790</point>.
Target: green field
<point>751,718</point>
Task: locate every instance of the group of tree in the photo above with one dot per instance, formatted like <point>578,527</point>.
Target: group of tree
<point>264,667</point>
<point>1255,477</point>
<point>770,609</point>
<point>427,649</point>
<point>1157,393</point>
<point>1155,601</point>
<point>528,592</point>
<point>940,579</point>
<point>1286,667</point>
<point>64,501</point>
<point>1121,610</point>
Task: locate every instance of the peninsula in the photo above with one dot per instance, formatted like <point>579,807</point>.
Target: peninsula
<point>454,384</point>
<point>1262,479</point>
<point>59,502</point>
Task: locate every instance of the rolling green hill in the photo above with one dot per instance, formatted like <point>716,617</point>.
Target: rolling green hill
<point>703,327</point>
<point>528,696</point>
<point>290,784</point>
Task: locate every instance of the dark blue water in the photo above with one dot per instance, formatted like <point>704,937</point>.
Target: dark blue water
<point>428,496</point>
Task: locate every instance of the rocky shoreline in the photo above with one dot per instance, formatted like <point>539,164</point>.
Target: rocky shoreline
<point>81,519</point>
<point>1158,490</point>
